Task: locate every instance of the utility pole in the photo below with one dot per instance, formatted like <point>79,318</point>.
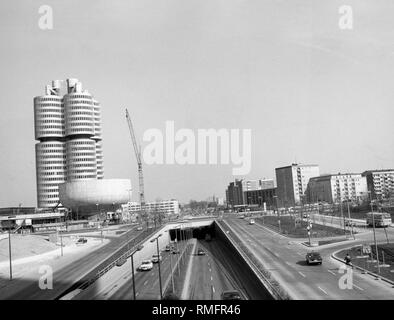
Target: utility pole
<point>350,222</point>
<point>374,234</point>
<point>9,250</point>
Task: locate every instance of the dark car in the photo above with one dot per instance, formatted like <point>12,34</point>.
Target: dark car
<point>231,295</point>
<point>200,252</point>
<point>175,250</point>
<point>313,258</point>
<point>121,262</point>
<point>82,240</point>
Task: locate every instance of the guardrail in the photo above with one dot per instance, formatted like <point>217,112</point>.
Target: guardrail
<point>273,286</point>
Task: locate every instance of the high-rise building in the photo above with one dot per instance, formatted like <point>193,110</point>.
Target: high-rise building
<point>68,128</point>
<point>292,182</point>
<point>336,188</point>
<point>380,183</point>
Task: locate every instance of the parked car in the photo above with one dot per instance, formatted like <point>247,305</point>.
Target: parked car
<point>139,228</point>
<point>231,295</point>
<point>175,250</point>
<point>313,257</point>
<point>200,252</point>
<point>146,265</point>
<point>168,248</point>
<point>251,221</point>
<point>156,258</point>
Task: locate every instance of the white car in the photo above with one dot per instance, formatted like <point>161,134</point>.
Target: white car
<point>146,265</point>
<point>139,228</point>
<point>251,221</point>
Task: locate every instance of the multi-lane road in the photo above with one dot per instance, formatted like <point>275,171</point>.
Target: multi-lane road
<point>69,274</point>
<point>285,259</point>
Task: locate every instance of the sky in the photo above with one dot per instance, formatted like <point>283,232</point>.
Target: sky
<point>309,91</point>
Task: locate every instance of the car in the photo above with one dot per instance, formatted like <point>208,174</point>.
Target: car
<point>349,223</point>
<point>146,265</point>
<point>139,228</point>
<point>313,257</point>
<point>121,262</point>
<point>82,240</point>
<point>200,252</point>
<point>156,258</point>
<point>168,248</point>
<point>251,221</point>
<point>175,250</point>
<point>231,295</point>
<point>305,215</point>
<point>241,216</point>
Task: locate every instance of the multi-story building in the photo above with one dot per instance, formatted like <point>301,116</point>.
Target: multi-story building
<point>292,182</point>
<point>68,128</point>
<point>163,206</point>
<point>336,188</point>
<point>380,183</point>
<point>235,192</point>
<point>261,196</point>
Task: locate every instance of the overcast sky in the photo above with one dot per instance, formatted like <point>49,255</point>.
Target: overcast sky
<point>309,91</point>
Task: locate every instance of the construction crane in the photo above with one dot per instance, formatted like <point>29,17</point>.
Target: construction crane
<point>139,162</point>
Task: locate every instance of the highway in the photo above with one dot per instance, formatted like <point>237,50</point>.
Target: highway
<point>285,259</point>
<point>209,277</point>
<point>66,276</point>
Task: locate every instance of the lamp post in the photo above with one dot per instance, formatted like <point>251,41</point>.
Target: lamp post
<point>9,249</point>
<point>374,234</point>
<point>351,224</point>
<point>159,262</point>
<point>277,211</point>
<point>139,248</point>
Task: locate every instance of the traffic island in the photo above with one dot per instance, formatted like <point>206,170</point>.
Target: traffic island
<point>296,228</point>
<point>364,258</point>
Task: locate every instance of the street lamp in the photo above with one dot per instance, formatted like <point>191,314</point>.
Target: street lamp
<point>139,248</point>
<point>277,210</point>
<point>158,257</point>
<point>9,249</point>
<point>374,234</point>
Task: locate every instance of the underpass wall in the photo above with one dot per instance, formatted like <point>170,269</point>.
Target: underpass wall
<point>240,269</point>
<point>256,284</point>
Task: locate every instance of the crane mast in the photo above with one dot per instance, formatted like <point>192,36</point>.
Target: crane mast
<point>137,152</point>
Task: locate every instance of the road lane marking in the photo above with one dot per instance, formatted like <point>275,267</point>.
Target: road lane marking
<point>331,272</point>
<point>302,274</point>
<point>358,287</point>
<point>322,290</point>
<point>288,263</point>
<point>213,289</point>
<point>211,278</point>
<point>137,294</point>
<point>145,282</point>
<point>210,270</point>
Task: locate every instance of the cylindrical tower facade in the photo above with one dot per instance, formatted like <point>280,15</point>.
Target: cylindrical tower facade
<point>48,117</point>
<point>79,114</point>
<point>50,170</point>
<point>81,159</point>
